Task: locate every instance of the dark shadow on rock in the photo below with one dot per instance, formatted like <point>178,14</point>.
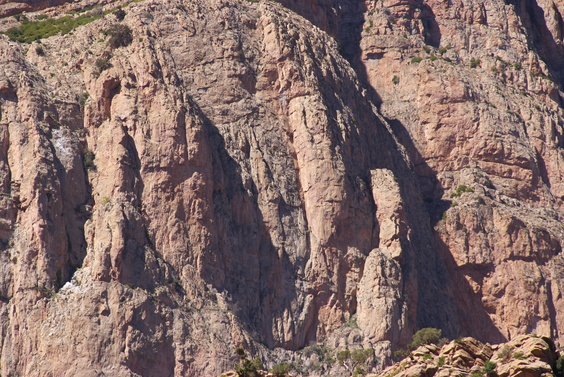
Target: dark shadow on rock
<point>431,30</point>
<point>431,189</point>
<point>371,144</point>
<point>74,190</point>
<point>474,318</point>
<point>423,266</point>
<point>426,263</point>
<point>446,296</point>
<point>153,354</point>
<point>257,274</point>
<point>540,38</point>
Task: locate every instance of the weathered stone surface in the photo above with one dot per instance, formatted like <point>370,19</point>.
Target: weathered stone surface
<point>473,93</point>
<point>215,184</point>
<point>236,177</point>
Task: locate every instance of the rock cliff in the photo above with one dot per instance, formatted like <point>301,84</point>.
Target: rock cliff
<point>201,175</point>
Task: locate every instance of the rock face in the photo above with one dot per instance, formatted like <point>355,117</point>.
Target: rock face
<point>235,176</point>
<point>472,90</point>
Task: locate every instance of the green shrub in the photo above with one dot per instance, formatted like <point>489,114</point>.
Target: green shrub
<point>395,80</point>
<point>475,63</point>
<point>461,189</point>
<point>324,353</point>
<point>246,367</point>
<point>427,356</point>
<point>82,99</point>
<point>280,370</point>
<point>119,14</point>
<point>505,352</point>
<point>343,355</point>
<point>426,49</point>
<point>559,367</point>
<point>442,50</point>
<point>441,362</point>
<point>354,360</point>
<point>30,31</point>
<point>89,160</point>
<point>359,372</point>
<point>416,59</point>
<point>517,66</point>
<point>352,320</point>
<point>432,58</point>
<point>424,336</point>
<point>518,355</point>
<point>120,36</point>
<point>489,367</point>
<point>103,63</point>
<point>45,291</point>
<point>401,354</point>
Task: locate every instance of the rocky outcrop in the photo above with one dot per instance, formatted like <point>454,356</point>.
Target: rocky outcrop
<point>524,356</point>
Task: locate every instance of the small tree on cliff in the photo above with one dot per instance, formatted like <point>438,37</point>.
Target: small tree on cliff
<point>424,336</point>
<point>355,360</point>
<point>246,367</point>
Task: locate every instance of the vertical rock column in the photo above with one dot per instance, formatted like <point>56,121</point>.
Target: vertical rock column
<point>383,311</point>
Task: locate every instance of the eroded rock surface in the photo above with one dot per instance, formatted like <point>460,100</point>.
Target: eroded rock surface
<point>236,176</point>
<point>472,90</point>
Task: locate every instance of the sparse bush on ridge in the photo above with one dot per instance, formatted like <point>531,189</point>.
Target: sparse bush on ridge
<point>120,36</point>
<point>489,367</point>
<point>461,189</point>
<point>422,337</point>
<point>103,63</point>
<point>247,367</point>
<point>119,14</point>
<point>89,160</point>
<point>280,370</point>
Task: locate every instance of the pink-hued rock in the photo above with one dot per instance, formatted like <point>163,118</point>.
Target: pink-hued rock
<point>524,356</point>
<point>236,176</point>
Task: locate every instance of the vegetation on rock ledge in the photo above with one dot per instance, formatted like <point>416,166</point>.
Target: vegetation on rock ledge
<point>30,31</point>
